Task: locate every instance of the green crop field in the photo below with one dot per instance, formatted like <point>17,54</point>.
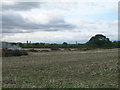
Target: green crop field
<point>62,69</point>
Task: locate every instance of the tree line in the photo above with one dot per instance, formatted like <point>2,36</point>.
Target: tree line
<point>97,41</point>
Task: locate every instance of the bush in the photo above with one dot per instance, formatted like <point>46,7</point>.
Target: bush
<point>33,50</point>
<point>55,48</point>
<point>8,53</point>
<point>84,49</point>
<point>44,50</point>
<point>67,49</point>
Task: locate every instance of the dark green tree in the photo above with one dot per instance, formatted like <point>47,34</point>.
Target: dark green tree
<point>116,44</point>
<point>64,43</point>
<point>99,41</point>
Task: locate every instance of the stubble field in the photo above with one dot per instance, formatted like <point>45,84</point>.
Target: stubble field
<point>62,69</point>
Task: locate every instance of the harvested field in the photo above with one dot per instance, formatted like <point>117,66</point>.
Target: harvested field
<point>62,69</point>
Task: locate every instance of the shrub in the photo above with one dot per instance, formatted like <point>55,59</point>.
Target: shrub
<point>8,53</point>
<point>33,50</point>
<point>84,49</point>
<point>44,50</point>
<point>67,49</point>
<point>55,48</point>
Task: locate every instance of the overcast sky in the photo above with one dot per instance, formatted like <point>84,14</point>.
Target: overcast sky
<point>58,21</point>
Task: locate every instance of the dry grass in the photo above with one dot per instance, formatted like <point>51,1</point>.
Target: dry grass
<point>68,69</point>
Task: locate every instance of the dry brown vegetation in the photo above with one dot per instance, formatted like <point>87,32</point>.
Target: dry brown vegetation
<point>8,53</point>
<point>62,69</point>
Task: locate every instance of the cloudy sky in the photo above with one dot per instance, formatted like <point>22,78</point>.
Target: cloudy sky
<point>58,21</point>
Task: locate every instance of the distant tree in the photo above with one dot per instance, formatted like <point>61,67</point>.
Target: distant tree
<point>42,43</point>
<point>36,43</point>
<point>64,43</point>
<point>20,44</point>
<point>116,44</point>
<point>13,43</point>
<point>99,41</point>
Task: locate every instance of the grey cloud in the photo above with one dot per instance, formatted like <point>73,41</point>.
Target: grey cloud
<point>21,6</point>
<point>14,23</point>
<point>8,31</point>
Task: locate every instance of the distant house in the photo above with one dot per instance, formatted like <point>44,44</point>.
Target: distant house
<point>6,45</point>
